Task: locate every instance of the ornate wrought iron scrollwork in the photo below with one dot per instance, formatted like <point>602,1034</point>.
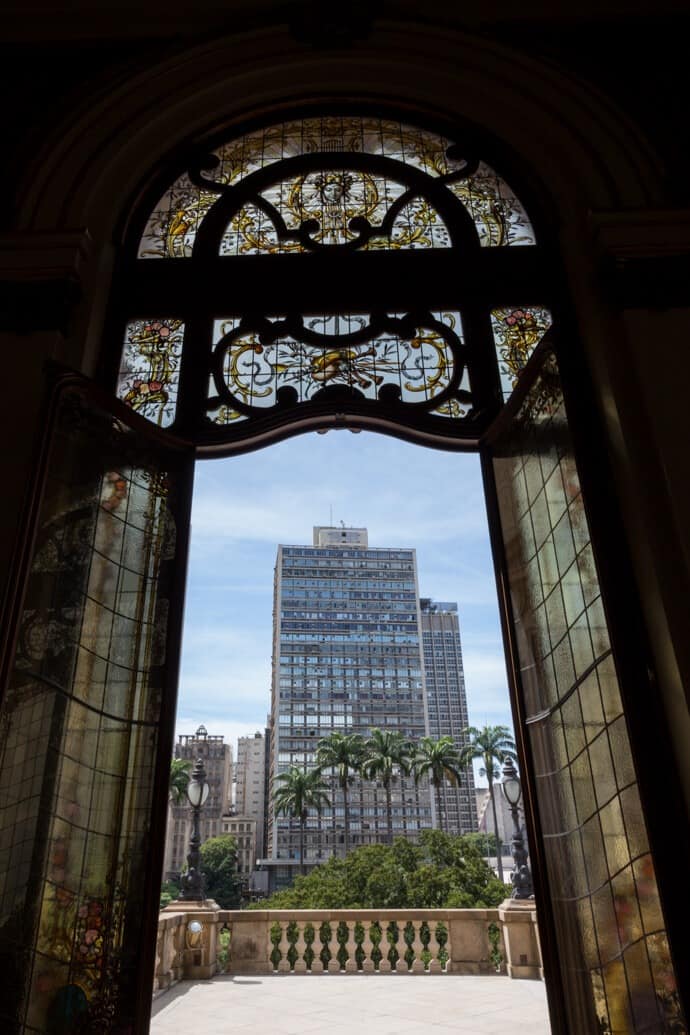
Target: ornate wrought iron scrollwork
<point>404,362</point>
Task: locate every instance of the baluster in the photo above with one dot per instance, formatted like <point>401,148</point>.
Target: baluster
<point>351,962</point>
<point>334,962</point>
<point>284,965</point>
<point>448,969</point>
<point>368,965</point>
<point>317,963</point>
<point>160,941</point>
<point>417,948</point>
<point>435,950</point>
<point>401,964</point>
<point>384,963</point>
<point>300,966</point>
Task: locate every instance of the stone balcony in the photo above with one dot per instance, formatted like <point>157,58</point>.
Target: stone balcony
<point>199,940</point>
<point>293,972</point>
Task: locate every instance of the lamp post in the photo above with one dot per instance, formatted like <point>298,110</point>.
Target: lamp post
<point>197,793</point>
<point>512,792</point>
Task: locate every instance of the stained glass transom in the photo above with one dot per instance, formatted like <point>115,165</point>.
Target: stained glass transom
<point>347,351</point>
<point>517,332</point>
<point>149,368</point>
<point>332,195</point>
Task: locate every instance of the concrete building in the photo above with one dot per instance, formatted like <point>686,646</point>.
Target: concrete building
<point>347,658</point>
<point>447,705</point>
<point>217,758</point>
<point>243,829</point>
<point>250,786</point>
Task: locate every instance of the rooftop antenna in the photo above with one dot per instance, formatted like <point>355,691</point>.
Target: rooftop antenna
<point>331,513</point>
<point>342,523</point>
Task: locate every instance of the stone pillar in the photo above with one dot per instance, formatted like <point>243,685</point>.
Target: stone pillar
<point>199,951</point>
<point>435,949</point>
<point>351,964</point>
<point>333,963</point>
<point>518,919</point>
<point>300,966</point>
<point>368,966</point>
<point>417,948</point>
<point>385,963</point>
<point>284,965</point>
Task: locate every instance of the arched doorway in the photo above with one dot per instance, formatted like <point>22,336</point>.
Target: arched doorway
<point>94,615</point>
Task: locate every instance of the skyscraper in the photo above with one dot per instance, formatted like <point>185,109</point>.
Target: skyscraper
<point>346,657</point>
<point>447,705</point>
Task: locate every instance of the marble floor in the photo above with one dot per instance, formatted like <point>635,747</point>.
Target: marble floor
<point>343,1004</point>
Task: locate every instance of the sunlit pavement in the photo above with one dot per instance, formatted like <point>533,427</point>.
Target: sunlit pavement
<point>391,1004</point>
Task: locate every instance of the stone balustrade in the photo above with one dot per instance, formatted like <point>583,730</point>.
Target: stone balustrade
<point>342,941</point>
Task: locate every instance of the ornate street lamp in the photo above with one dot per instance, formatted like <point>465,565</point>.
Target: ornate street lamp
<point>512,792</point>
<point>197,793</point>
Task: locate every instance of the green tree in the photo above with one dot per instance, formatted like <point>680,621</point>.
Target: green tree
<point>492,744</point>
<point>440,871</point>
<point>180,771</point>
<point>299,791</point>
<point>439,760</point>
<point>219,867</point>
<point>386,753</point>
<point>344,754</point>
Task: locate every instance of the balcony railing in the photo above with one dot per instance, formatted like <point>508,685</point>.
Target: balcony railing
<point>199,940</point>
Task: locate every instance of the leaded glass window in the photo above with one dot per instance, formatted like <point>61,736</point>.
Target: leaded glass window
<point>345,267</point>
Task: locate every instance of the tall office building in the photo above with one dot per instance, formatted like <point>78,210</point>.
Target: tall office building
<point>447,705</point>
<point>346,657</point>
<point>217,758</point>
<point>250,784</point>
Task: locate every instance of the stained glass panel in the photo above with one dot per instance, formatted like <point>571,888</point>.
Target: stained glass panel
<point>335,196</point>
<point>81,721</point>
<point>604,895</point>
<point>150,368</point>
<point>336,351</point>
<point>517,332</point>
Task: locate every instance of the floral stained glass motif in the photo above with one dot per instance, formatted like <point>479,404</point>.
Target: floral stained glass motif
<point>517,332</point>
<point>334,351</point>
<point>333,195</point>
<point>149,369</point>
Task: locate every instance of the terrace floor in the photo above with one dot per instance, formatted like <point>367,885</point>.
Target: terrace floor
<point>389,1004</point>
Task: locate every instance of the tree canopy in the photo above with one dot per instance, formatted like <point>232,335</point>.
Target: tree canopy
<point>442,871</point>
<point>219,867</point>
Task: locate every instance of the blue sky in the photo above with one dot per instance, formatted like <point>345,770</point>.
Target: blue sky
<point>245,506</point>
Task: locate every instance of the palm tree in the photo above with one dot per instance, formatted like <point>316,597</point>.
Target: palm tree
<point>180,770</point>
<point>440,760</point>
<point>344,753</point>
<point>386,752</point>
<point>299,791</point>
<point>493,744</point>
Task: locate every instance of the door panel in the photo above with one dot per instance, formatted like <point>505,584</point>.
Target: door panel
<point>87,720</point>
<point>611,944</point>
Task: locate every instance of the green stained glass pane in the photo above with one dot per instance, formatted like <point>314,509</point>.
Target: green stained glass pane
<point>517,332</point>
<point>149,368</point>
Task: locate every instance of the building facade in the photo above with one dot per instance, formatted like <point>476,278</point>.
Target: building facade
<point>447,706</point>
<point>243,829</point>
<point>250,786</point>
<point>347,658</point>
<point>217,757</point>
